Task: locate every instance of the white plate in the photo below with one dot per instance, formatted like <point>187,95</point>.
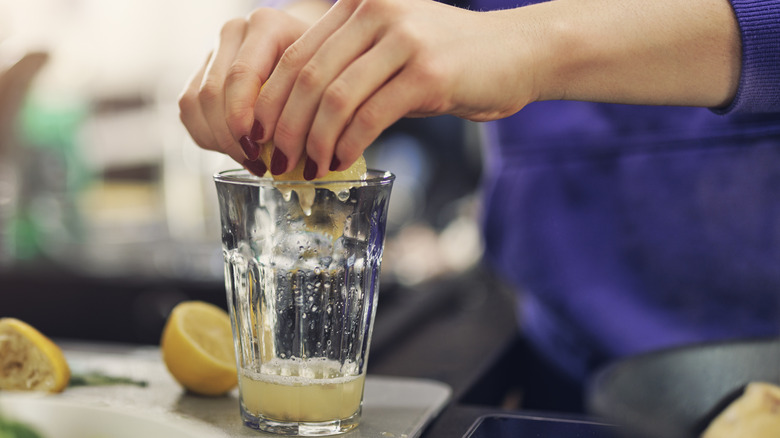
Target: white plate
<point>57,418</point>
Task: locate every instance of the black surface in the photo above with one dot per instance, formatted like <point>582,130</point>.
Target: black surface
<point>128,309</point>
<point>459,420</point>
<point>453,330</point>
<point>517,426</point>
<point>673,393</point>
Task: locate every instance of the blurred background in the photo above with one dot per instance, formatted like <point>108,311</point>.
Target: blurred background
<point>106,201</point>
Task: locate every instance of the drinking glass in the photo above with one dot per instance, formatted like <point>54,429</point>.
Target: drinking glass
<point>302,263</point>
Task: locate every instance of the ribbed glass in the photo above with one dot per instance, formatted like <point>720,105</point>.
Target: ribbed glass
<point>302,265</point>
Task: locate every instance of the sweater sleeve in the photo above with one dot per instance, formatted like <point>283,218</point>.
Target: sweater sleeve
<point>759,84</point>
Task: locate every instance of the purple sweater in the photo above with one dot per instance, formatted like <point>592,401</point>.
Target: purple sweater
<point>632,228</point>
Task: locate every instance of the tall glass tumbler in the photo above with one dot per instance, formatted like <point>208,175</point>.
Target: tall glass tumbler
<point>302,263</point>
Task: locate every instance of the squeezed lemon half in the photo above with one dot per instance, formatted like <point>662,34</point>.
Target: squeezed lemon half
<point>197,348</point>
<point>753,415</point>
<point>355,172</point>
<point>29,360</point>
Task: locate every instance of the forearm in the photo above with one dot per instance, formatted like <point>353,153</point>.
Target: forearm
<point>659,52</point>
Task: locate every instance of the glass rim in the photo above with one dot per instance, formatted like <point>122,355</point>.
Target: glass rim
<point>244,177</point>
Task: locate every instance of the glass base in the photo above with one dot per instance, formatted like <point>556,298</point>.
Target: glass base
<point>300,428</point>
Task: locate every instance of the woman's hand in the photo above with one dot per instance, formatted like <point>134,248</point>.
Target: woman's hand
<point>330,89</point>
<point>217,104</point>
<point>367,63</point>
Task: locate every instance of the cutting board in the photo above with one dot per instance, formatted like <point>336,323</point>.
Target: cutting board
<point>393,407</point>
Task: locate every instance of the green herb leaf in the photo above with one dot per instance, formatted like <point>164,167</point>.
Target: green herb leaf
<point>97,378</point>
<point>16,429</point>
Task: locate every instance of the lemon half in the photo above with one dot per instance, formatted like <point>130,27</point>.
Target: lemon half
<point>197,348</point>
<point>356,171</point>
<point>29,360</point>
<point>306,193</point>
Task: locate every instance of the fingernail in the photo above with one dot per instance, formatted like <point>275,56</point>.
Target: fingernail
<point>334,163</point>
<point>309,169</point>
<point>256,167</point>
<point>251,149</point>
<point>257,131</point>
<point>278,162</point>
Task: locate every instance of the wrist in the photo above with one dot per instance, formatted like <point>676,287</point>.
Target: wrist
<point>547,49</point>
<point>566,54</point>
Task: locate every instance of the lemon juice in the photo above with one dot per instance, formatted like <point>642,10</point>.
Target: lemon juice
<point>297,391</point>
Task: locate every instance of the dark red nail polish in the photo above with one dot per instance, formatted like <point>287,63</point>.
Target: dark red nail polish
<point>334,163</point>
<point>278,162</point>
<point>309,169</point>
<point>257,131</point>
<point>256,167</point>
<point>251,149</point>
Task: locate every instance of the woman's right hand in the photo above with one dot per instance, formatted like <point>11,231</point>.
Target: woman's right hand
<point>217,104</point>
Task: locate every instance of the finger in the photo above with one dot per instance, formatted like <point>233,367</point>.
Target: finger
<point>391,102</point>
<point>276,91</point>
<point>346,45</point>
<point>212,89</point>
<point>263,44</point>
<point>191,114</point>
<point>346,93</point>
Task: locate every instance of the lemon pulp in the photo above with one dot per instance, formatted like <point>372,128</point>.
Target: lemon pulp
<point>355,172</point>
<point>29,360</point>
